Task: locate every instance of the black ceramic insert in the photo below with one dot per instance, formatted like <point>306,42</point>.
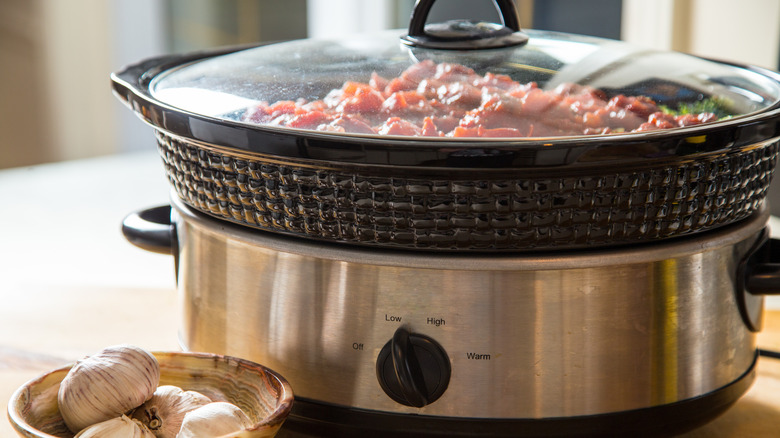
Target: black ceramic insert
<point>461,210</point>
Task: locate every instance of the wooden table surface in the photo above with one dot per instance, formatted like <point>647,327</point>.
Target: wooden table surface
<point>71,285</point>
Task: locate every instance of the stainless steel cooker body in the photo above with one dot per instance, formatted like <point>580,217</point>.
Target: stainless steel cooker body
<point>530,336</point>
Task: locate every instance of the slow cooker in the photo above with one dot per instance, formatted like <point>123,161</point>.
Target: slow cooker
<point>469,229</point>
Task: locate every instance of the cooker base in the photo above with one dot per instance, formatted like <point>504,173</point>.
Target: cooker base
<point>310,418</point>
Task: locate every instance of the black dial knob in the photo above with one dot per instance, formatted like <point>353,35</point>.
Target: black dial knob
<point>413,369</point>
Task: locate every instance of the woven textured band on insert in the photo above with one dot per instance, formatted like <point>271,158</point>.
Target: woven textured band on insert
<point>449,213</point>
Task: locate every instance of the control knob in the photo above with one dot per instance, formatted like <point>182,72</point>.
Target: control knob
<point>413,369</point>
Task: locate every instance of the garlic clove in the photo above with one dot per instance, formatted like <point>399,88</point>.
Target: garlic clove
<point>106,385</point>
<point>214,420</point>
<point>120,427</point>
<point>164,412</point>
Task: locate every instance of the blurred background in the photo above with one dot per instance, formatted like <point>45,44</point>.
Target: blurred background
<point>74,161</point>
<point>56,56</point>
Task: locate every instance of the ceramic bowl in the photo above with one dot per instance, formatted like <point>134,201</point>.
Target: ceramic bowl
<point>265,396</point>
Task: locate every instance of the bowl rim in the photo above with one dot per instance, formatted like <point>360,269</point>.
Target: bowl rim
<point>276,417</point>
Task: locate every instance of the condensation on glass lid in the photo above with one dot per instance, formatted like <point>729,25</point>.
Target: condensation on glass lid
<point>451,100</point>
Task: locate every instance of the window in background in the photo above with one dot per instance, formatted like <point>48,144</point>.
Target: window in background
<point>140,30</point>
<point>54,74</point>
<point>338,18</point>
<point>180,26</point>
<point>599,18</point>
<point>21,66</point>
<point>747,31</point>
<point>199,24</point>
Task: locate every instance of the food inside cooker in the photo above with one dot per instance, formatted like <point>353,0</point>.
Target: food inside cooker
<point>452,100</point>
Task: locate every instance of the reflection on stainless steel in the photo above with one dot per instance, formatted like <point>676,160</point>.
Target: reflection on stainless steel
<point>528,336</point>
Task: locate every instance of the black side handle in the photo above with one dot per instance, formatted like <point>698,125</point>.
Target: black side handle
<point>762,276</point>
<point>758,274</point>
<point>151,229</point>
<point>464,34</point>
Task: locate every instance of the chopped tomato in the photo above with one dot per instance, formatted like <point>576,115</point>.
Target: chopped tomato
<point>461,131</point>
<point>429,128</point>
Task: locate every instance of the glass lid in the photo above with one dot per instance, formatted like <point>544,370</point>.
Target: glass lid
<point>529,84</point>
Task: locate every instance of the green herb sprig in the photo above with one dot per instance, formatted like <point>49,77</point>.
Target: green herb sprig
<point>716,105</point>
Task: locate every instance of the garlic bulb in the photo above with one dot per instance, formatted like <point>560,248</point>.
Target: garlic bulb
<point>214,420</point>
<point>120,427</point>
<point>106,385</point>
<point>164,412</point>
